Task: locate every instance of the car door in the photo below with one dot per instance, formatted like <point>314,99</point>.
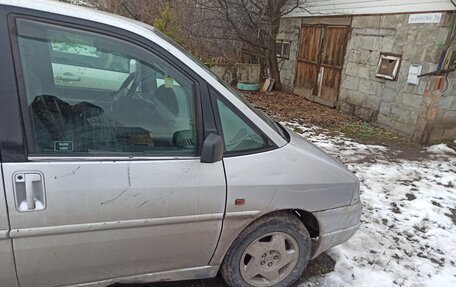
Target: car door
<point>110,187</point>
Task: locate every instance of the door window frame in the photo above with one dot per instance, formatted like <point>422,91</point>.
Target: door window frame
<point>204,121</point>
<point>270,145</point>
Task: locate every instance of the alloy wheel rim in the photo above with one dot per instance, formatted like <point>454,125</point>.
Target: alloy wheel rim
<point>269,259</point>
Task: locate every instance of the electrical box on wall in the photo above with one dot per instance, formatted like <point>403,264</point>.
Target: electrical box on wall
<point>414,72</point>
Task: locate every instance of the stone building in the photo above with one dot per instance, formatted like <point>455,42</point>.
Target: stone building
<point>364,59</point>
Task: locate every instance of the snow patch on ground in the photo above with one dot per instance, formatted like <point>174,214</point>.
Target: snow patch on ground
<point>440,149</point>
<point>408,234</point>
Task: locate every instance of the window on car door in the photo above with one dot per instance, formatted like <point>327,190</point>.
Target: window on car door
<point>150,111</point>
<point>239,135</point>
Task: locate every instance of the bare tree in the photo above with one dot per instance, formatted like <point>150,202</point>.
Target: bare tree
<point>174,18</point>
<point>213,30</point>
<point>141,10</point>
<point>254,22</point>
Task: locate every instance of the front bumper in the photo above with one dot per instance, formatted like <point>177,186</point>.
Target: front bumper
<point>336,226</point>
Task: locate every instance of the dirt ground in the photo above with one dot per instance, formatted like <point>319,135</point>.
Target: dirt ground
<point>293,108</point>
<point>288,107</point>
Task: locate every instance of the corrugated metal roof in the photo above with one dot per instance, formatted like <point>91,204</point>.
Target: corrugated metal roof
<point>361,7</point>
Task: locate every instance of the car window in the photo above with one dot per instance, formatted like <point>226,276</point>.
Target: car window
<point>78,62</point>
<point>238,135</point>
<point>272,123</point>
<point>144,106</point>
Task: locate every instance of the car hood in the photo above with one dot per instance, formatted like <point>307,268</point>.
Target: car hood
<point>312,150</point>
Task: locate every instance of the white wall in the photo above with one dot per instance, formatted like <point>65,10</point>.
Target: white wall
<point>361,7</point>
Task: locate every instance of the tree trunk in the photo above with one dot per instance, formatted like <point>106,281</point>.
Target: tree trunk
<point>271,55</point>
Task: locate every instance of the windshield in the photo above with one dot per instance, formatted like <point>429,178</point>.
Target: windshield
<point>272,123</point>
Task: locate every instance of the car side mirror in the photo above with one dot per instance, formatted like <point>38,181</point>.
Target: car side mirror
<point>212,149</point>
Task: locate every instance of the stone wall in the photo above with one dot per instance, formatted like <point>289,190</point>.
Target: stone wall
<point>418,111</point>
<point>289,31</point>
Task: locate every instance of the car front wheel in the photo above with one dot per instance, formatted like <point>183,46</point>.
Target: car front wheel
<point>272,251</point>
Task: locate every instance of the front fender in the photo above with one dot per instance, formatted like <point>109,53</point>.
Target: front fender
<point>296,176</point>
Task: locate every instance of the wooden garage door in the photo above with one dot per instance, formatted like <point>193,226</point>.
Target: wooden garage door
<point>320,61</point>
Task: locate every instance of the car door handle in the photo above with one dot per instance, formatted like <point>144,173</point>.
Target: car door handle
<point>29,191</point>
<point>70,78</point>
<point>29,188</point>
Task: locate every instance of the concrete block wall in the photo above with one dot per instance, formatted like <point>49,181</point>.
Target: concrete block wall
<point>397,105</point>
<point>289,31</point>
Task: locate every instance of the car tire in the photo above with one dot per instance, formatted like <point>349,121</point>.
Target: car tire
<point>271,252</point>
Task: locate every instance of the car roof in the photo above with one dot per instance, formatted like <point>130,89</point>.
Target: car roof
<point>90,14</point>
<point>75,11</point>
<point>147,32</point>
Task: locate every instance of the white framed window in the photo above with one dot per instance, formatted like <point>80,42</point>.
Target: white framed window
<point>283,49</point>
<point>388,66</point>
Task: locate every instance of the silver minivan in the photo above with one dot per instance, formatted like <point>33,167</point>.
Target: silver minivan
<point>125,160</point>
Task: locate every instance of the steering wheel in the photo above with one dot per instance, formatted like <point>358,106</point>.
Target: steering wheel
<point>133,78</point>
<point>124,92</point>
